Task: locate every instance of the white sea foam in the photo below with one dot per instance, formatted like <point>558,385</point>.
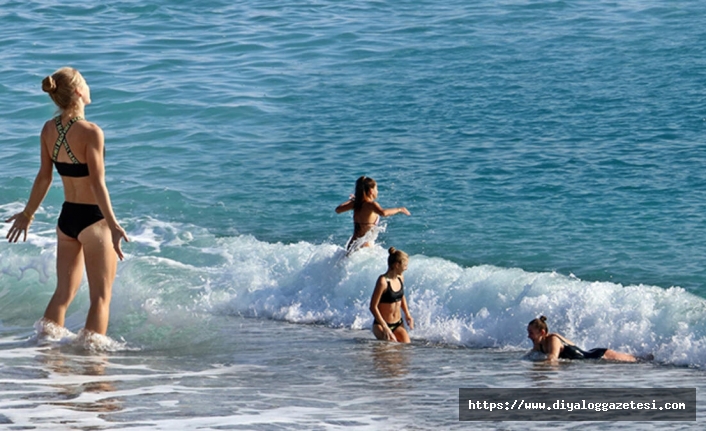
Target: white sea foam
<point>481,306</point>
<point>164,299</point>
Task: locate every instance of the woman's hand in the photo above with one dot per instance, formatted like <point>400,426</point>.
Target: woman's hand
<point>118,233</point>
<point>19,227</point>
<point>389,335</point>
<point>410,321</point>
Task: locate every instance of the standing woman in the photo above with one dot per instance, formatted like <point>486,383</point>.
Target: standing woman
<point>388,299</point>
<point>88,233</point>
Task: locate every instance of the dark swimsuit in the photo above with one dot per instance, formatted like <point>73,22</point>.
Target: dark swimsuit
<point>390,296</point>
<point>74,217</point>
<point>573,352</point>
<point>395,325</point>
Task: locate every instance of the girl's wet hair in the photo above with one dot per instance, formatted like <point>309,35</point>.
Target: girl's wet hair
<point>539,323</point>
<point>396,256</point>
<point>363,186</point>
<point>62,85</point>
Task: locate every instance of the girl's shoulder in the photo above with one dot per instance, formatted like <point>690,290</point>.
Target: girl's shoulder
<point>370,207</point>
<point>560,338</point>
<point>49,125</point>
<point>366,208</point>
<point>88,127</point>
<point>382,280</point>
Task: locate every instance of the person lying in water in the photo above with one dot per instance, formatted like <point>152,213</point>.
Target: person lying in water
<point>556,347</point>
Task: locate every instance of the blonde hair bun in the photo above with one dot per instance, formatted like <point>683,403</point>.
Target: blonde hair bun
<point>48,85</point>
<point>396,256</point>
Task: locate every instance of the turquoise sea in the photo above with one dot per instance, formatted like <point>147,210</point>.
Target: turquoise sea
<point>551,153</point>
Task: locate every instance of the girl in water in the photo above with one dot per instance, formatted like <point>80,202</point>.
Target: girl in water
<point>88,233</point>
<point>388,300</point>
<point>366,212</point>
<point>557,347</point>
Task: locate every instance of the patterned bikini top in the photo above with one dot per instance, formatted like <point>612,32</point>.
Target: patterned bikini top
<point>75,168</point>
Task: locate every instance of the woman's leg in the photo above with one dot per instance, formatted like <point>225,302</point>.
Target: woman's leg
<point>378,331</point>
<point>101,265</point>
<point>612,355</point>
<point>69,270</point>
<point>401,334</point>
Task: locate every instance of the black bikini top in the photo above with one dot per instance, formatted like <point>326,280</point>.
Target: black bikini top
<point>75,168</point>
<point>389,296</point>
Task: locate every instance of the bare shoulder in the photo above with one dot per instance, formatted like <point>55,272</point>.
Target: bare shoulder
<point>90,132</point>
<point>558,338</point>
<point>49,126</point>
<point>89,127</point>
<point>372,208</point>
<point>374,205</point>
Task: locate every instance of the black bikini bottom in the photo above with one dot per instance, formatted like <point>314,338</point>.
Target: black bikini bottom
<point>76,217</point>
<point>394,326</point>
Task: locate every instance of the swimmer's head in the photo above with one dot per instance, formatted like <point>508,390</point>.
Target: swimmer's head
<point>364,190</point>
<point>537,329</point>
<point>397,256</point>
<point>539,323</point>
<point>66,87</point>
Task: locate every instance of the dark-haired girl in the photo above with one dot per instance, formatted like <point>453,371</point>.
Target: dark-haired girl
<point>366,212</point>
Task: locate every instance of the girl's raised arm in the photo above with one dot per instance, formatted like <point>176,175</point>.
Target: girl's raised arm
<point>386,212</point>
<point>345,206</point>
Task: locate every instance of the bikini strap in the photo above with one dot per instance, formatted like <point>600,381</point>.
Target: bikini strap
<point>389,283</point>
<point>61,140</point>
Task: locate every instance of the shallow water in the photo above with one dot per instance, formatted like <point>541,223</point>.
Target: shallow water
<point>274,375</point>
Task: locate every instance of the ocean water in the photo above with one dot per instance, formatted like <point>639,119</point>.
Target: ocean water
<point>551,154</point>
